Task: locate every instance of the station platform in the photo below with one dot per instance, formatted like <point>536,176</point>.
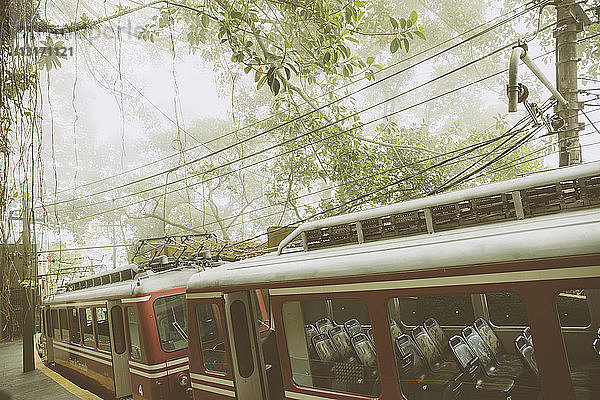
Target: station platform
<point>40,384</point>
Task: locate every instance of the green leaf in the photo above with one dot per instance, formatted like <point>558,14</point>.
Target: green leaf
<point>261,82</point>
<point>348,14</point>
<point>395,45</point>
<point>275,86</point>
<point>326,57</point>
<point>420,34</point>
<point>394,22</point>
<point>205,20</point>
<point>350,38</point>
<point>406,44</point>
<point>247,69</point>
<point>370,60</point>
<point>413,16</point>
<point>288,73</point>
<point>402,23</point>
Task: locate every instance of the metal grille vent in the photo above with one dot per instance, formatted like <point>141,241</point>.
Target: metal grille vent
<point>526,203</point>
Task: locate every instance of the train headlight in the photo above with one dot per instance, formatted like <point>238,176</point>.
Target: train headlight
<point>183,380</point>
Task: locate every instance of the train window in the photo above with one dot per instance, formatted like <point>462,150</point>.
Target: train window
<point>85,316</point>
<point>433,359</point>
<point>75,333</point>
<point>333,354</point>
<point>506,309</point>
<point>241,337</point>
<point>573,308</point>
<point>64,324</point>
<point>582,345</point>
<point>171,322</point>
<point>211,339</point>
<point>55,326</point>
<point>116,315</point>
<point>447,310</point>
<point>102,333</point>
<point>346,309</point>
<point>135,350</point>
<point>262,311</point>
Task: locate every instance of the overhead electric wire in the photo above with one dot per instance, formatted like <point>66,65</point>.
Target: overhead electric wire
<point>328,125</point>
<point>332,124</point>
<point>267,159</point>
<point>295,118</point>
<point>529,137</point>
<point>399,167</point>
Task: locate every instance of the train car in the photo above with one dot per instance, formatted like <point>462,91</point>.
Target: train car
<point>491,292</point>
<point>123,331</point>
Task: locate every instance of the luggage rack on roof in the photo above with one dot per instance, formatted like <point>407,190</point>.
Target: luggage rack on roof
<point>535,195</point>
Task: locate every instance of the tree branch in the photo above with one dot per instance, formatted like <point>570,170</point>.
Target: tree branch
<point>166,221</point>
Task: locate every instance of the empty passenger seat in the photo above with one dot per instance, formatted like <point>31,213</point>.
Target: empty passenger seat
<point>474,377</point>
<point>324,325</point>
<point>491,339</point>
<point>436,332</point>
<point>432,354</point>
<point>343,343</point>
<point>525,350</point>
<point>353,327</point>
<point>414,374</point>
<point>486,356</point>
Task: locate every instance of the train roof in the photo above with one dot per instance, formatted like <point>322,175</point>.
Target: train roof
<point>570,228</point>
<point>142,284</point>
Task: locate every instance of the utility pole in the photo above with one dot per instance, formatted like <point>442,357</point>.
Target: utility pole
<point>28,289</point>
<point>570,19</point>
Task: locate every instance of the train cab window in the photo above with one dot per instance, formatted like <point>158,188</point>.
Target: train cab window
<point>135,348</point>
<point>581,338</point>
<point>116,314</point>
<point>55,326</point>
<point>64,324</point>
<point>102,332</point>
<point>506,309</point>
<point>472,358</point>
<point>447,310</point>
<point>171,322</point>
<point>211,339</point>
<point>87,325</point>
<point>74,332</point>
<point>333,352</point>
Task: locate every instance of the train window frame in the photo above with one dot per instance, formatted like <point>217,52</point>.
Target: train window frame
<point>376,391</point>
<point>118,329</point>
<point>74,316</point>
<point>221,331</point>
<point>156,321</point>
<point>85,335</point>
<point>96,331</point>
<point>129,328</point>
<point>48,322</point>
<point>64,330</point>
<point>241,338</point>
<point>55,323</point>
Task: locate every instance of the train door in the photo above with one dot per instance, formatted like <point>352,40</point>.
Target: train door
<point>120,358</point>
<point>248,364</point>
<point>47,336</point>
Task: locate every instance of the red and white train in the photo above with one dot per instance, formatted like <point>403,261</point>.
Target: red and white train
<point>491,292</point>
